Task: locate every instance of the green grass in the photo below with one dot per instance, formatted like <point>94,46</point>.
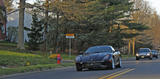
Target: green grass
<point>5,43</point>
<point>126,56</point>
<point>15,62</point>
<point>14,59</point>
<point>66,57</point>
<point>8,71</point>
<point>10,53</point>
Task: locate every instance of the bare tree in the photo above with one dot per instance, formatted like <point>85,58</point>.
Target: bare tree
<point>148,16</point>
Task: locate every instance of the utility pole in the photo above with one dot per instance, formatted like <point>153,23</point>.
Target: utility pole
<point>133,46</point>
<point>46,24</point>
<point>133,42</point>
<point>21,25</point>
<point>129,47</point>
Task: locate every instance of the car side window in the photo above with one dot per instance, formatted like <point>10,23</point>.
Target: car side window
<point>111,49</point>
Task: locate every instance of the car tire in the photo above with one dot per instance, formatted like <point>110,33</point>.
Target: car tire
<point>137,58</point>
<point>120,63</point>
<point>90,68</point>
<point>112,64</point>
<point>157,57</point>
<point>150,58</point>
<point>78,67</point>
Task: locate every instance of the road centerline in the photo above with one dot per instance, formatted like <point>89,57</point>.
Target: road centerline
<point>116,75</point>
<point>103,77</point>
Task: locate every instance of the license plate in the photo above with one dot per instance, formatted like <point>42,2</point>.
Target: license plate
<point>142,56</point>
<point>91,64</point>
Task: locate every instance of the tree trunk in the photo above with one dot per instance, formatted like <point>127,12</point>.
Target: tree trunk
<point>21,25</point>
<point>46,25</point>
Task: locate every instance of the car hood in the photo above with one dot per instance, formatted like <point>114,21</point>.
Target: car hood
<point>94,57</point>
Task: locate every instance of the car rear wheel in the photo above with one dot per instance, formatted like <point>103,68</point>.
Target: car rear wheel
<point>112,64</point>
<point>78,67</point>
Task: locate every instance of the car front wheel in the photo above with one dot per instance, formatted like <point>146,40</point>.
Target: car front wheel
<point>78,67</point>
<point>112,64</point>
<point>120,63</point>
<point>150,57</point>
<point>137,58</point>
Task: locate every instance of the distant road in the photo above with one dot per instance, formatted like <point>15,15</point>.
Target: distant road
<point>132,69</point>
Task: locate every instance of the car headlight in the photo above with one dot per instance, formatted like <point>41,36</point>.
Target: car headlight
<point>78,59</point>
<point>106,57</point>
<point>148,54</point>
<point>137,54</point>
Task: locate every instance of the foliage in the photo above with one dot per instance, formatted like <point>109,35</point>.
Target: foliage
<point>9,5</point>
<point>36,33</point>
<point>148,17</point>
<point>53,56</point>
<point>94,22</point>
<point>14,59</point>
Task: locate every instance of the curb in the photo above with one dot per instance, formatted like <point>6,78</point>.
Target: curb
<point>25,73</point>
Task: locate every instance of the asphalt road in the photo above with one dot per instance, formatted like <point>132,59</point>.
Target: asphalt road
<point>132,69</point>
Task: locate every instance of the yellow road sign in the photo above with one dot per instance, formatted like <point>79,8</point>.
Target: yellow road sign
<point>69,35</point>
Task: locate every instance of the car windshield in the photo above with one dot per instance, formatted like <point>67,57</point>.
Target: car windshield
<point>99,49</point>
<point>154,51</point>
<point>144,50</point>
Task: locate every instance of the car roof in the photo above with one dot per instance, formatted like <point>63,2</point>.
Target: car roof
<point>144,48</point>
<point>103,46</point>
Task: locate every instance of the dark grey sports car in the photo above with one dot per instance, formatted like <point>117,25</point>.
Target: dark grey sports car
<point>98,56</point>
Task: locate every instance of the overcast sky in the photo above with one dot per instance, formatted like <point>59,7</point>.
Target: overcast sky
<point>155,4</point>
<point>30,1</point>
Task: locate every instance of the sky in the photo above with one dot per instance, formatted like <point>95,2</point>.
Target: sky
<point>155,4</point>
<point>30,1</point>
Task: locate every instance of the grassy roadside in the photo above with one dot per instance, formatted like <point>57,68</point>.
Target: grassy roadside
<point>127,56</point>
<point>40,67</point>
<point>16,62</point>
<point>8,71</point>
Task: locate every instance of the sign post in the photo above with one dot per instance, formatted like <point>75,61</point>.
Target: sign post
<point>133,46</point>
<point>70,47</point>
<point>70,37</point>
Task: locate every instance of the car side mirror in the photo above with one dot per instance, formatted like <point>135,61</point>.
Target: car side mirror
<point>81,52</point>
<point>116,51</point>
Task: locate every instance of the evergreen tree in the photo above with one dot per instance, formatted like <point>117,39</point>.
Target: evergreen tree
<point>94,22</point>
<point>36,34</point>
<point>109,16</point>
<point>105,19</point>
